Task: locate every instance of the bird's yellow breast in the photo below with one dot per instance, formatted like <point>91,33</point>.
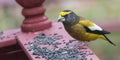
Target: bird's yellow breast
<point>91,36</point>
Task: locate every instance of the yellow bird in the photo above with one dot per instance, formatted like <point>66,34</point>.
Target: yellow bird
<point>80,28</point>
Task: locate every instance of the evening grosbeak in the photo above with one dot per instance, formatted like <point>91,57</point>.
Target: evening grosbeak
<point>81,28</point>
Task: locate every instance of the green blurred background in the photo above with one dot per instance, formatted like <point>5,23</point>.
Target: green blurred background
<point>96,10</point>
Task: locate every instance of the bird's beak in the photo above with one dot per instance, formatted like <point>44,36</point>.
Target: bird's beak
<point>61,19</point>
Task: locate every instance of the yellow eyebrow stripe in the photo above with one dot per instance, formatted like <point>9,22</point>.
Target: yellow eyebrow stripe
<point>64,13</point>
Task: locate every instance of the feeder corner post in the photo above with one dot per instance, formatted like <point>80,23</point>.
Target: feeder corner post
<point>33,11</point>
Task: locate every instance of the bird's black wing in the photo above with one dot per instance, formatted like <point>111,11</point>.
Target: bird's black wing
<point>96,31</point>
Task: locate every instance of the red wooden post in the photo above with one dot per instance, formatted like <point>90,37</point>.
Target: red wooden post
<point>33,11</point>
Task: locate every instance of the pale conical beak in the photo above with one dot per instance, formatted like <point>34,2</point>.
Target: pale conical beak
<point>61,19</point>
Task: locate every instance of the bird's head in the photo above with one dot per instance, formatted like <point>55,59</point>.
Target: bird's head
<point>67,17</point>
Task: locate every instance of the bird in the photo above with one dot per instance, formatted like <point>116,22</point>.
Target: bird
<point>82,29</point>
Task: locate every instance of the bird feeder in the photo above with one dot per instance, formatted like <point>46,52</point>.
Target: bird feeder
<point>40,38</point>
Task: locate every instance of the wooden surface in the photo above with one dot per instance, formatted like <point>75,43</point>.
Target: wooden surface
<point>8,38</point>
<point>57,28</point>
<point>13,52</point>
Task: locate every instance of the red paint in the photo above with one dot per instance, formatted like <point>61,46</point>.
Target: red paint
<point>9,38</point>
<point>30,3</point>
<point>28,12</point>
<point>36,26</point>
<point>35,20</point>
<point>5,55</point>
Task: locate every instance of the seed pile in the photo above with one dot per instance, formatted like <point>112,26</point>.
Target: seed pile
<point>64,53</point>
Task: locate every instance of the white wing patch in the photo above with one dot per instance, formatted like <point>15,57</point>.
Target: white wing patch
<point>95,27</point>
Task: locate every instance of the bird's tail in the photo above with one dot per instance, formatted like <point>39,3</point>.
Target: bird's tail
<point>105,38</point>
